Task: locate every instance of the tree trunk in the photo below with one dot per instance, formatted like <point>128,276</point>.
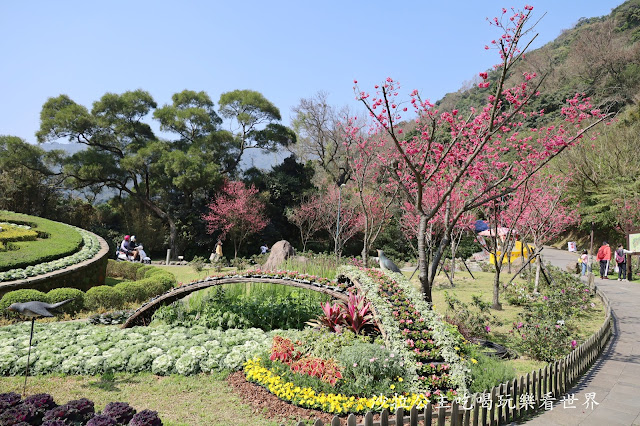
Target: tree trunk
<point>423,260</point>
<point>173,231</point>
<point>365,244</point>
<point>496,287</point>
<point>538,267</point>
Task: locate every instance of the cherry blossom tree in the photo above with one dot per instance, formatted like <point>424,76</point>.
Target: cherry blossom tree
<point>544,216</point>
<point>481,154</point>
<point>236,212</point>
<point>307,218</point>
<point>375,199</point>
<point>340,201</point>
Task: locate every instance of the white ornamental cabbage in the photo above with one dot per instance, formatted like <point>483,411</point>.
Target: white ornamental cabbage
<point>163,365</point>
<point>187,365</point>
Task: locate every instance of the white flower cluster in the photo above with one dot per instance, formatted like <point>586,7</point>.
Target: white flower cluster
<point>78,348</point>
<point>90,247</point>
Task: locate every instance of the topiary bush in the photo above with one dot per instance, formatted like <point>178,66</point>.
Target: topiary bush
<point>64,293</point>
<point>132,291</point>
<point>126,270</point>
<point>104,297</point>
<point>20,296</point>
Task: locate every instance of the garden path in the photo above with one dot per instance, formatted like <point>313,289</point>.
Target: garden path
<point>615,376</point>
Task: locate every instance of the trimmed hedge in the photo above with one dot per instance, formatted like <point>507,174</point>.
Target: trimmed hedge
<point>57,240</point>
<point>63,293</point>
<point>14,233</point>
<point>152,282</point>
<point>104,297</point>
<point>20,296</point>
<point>145,281</point>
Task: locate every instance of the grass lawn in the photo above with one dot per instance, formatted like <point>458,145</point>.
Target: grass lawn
<point>186,273</point>
<point>179,400</point>
<point>482,285</point>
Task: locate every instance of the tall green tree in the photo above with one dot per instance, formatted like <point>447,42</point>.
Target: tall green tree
<point>27,181</point>
<point>255,124</point>
<point>123,153</point>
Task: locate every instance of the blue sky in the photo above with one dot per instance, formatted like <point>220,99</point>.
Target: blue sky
<point>286,50</point>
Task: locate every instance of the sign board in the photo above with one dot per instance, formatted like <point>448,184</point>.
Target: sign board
<point>634,243</point>
<point>572,246</point>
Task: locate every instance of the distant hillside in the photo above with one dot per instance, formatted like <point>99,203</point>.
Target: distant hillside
<point>600,56</point>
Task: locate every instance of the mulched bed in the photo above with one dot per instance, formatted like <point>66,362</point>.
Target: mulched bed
<point>270,406</point>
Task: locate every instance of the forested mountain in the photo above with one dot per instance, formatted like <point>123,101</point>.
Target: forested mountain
<point>600,57</point>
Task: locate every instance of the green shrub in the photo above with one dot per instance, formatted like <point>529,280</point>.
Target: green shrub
<point>487,371</point>
<point>370,369</point>
<point>127,270</point>
<point>471,321</point>
<point>197,263</point>
<point>63,293</point>
<point>20,296</point>
<point>132,291</point>
<point>103,296</point>
<point>143,271</point>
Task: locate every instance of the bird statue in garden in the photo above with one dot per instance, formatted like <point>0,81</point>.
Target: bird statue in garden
<point>33,310</point>
<point>387,264</point>
<point>36,309</point>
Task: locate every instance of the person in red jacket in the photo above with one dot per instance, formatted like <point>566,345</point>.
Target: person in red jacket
<point>604,256</point>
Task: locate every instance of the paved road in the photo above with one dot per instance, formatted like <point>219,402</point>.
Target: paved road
<point>615,377</point>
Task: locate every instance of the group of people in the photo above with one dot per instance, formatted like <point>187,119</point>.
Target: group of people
<point>217,252</point>
<point>605,256</point>
<point>129,247</point>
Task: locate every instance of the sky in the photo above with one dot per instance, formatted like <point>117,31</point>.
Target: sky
<point>286,50</point>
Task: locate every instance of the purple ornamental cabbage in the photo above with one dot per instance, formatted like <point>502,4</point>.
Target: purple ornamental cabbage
<point>64,413</point>
<point>8,400</point>
<point>40,403</point>
<point>15,415</point>
<point>146,418</point>
<point>84,406</point>
<point>119,411</point>
<point>54,423</point>
<point>102,420</point>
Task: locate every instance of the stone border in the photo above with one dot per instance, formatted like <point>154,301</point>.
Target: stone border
<point>66,275</point>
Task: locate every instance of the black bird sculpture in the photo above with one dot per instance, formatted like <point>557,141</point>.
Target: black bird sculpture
<point>33,310</point>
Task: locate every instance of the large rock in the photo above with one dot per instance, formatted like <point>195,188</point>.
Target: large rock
<point>280,252</point>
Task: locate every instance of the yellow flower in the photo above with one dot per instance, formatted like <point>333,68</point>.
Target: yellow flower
<point>392,387</point>
<point>473,360</point>
<point>400,379</point>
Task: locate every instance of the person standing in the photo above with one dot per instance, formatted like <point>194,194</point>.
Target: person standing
<point>218,250</point>
<point>621,260</point>
<point>604,256</point>
<point>584,259</point>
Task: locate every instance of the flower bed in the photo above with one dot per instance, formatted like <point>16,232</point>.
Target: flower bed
<point>77,348</point>
<point>41,409</point>
<point>90,247</point>
<point>426,349</point>
<point>431,347</point>
<point>328,402</point>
